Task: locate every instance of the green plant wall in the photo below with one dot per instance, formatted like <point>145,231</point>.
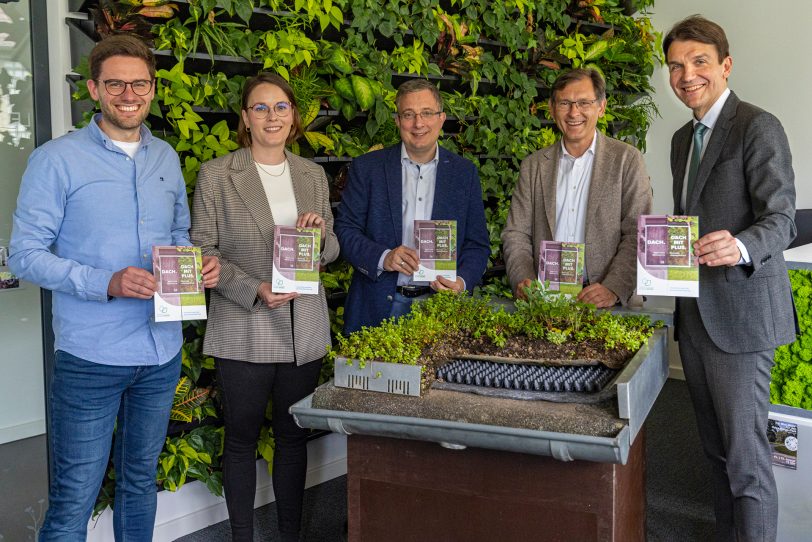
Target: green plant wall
<point>792,373</point>
<point>493,61</point>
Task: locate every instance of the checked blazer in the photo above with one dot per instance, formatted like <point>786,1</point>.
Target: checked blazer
<point>232,220</point>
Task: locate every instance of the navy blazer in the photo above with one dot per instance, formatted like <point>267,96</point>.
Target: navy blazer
<point>369,221</point>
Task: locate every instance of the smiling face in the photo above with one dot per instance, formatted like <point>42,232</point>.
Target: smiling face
<point>577,123</point>
<point>419,135</point>
<point>122,115</point>
<point>271,133</point>
<point>697,76</point>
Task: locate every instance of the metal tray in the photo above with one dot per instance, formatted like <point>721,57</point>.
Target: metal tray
<point>638,385</point>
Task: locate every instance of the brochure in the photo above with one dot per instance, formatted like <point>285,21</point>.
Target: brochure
<point>665,257</point>
<point>296,256</point>
<point>180,294</point>
<point>783,437</point>
<point>436,243</point>
<point>561,266</point>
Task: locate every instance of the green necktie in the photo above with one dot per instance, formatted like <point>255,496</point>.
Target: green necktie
<point>696,157</point>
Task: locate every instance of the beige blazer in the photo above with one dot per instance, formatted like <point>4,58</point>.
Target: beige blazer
<point>232,220</point>
<point>619,191</point>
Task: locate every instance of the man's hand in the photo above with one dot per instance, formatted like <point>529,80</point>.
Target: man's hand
<point>312,220</point>
<point>443,283</point>
<point>211,271</point>
<point>519,293</point>
<point>271,299</point>
<point>717,248</point>
<point>599,295</point>
<point>132,282</point>
<point>402,260</point>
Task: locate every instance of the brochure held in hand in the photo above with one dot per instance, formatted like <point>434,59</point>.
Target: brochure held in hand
<point>180,294</point>
<point>561,266</point>
<point>296,256</point>
<point>436,244</point>
<point>666,264</point>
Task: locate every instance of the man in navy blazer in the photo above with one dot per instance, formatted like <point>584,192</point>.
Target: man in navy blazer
<point>733,169</point>
<point>387,190</point>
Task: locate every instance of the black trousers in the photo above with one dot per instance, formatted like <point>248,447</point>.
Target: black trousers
<point>246,389</point>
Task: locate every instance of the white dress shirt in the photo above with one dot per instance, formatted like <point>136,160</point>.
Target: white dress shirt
<point>709,120</point>
<point>572,194</point>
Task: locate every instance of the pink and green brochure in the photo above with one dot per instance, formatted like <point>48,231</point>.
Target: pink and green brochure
<point>561,267</point>
<point>180,294</point>
<point>436,242</point>
<point>296,256</point>
<point>666,264</point>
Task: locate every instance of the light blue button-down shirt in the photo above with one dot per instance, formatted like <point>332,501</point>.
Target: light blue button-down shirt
<point>85,211</point>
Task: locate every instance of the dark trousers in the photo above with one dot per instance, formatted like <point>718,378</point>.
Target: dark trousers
<point>731,397</point>
<point>246,390</point>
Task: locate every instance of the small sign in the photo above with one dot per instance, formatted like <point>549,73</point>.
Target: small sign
<point>180,294</point>
<point>561,266</point>
<point>8,279</point>
<point>665,259</point>
<point>783,437</point>
<point>296,256</point>
<point>436,243</point>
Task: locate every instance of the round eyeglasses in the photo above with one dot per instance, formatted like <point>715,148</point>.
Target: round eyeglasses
<point>261,111</point>
<point>116,87</point>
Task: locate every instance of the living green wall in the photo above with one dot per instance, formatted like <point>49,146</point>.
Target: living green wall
<point>493,61</point>
<point>792,373</point>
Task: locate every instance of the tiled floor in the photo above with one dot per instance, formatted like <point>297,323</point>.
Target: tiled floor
<point>23,488</point>
<point>679,499</point>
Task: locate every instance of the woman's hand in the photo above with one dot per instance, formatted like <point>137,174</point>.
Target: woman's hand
<point>271,299</point>
<point>312,220</point>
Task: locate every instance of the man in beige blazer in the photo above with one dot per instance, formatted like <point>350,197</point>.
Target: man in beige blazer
<point>587,188</point>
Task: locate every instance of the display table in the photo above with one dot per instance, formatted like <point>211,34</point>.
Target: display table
<point>406,490</point>
<point>504,469</point>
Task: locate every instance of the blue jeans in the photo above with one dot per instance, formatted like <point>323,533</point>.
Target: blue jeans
<point>402,305</point>
<point>88,401</point>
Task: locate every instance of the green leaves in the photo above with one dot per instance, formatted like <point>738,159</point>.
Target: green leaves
<point>194,455</point>
<point>792,373</point>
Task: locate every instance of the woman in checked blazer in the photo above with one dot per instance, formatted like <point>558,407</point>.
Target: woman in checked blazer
<point>265,345</point>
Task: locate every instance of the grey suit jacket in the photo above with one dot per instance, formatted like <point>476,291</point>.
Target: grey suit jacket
<point>745,184</point>
<point>619,191</point>
<point>232,220</point>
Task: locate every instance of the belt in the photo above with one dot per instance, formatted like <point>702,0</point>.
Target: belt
<point>413,291</point>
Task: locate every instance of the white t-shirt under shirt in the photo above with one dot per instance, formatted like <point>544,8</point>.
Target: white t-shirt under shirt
<point>278,187</point>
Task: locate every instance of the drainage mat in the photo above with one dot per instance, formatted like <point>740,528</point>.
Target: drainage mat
<point>587,384</point>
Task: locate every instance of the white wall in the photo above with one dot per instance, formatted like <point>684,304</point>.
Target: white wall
<point>769,43</point>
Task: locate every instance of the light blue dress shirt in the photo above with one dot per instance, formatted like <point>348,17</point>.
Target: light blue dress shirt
<point>85,211</point>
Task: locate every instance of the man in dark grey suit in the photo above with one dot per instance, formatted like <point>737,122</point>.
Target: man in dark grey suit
<point>732,167</point>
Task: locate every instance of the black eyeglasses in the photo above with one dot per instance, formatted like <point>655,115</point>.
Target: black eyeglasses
<point>425,115</point>
<point>116,87</point>
<point>261,111</point>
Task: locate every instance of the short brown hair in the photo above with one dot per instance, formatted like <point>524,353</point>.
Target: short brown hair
<point>698,28</point>
<point>120,45</point>
<point>578,74</point>
<point>262,78</point>
<point>416,85</point>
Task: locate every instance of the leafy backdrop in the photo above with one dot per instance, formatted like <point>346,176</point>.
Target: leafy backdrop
<point>493,61</point>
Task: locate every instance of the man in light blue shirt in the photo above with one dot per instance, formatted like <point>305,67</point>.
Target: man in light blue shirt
<point>92,204</point>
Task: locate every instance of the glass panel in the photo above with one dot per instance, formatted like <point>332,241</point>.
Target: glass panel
<point>22,410</point>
